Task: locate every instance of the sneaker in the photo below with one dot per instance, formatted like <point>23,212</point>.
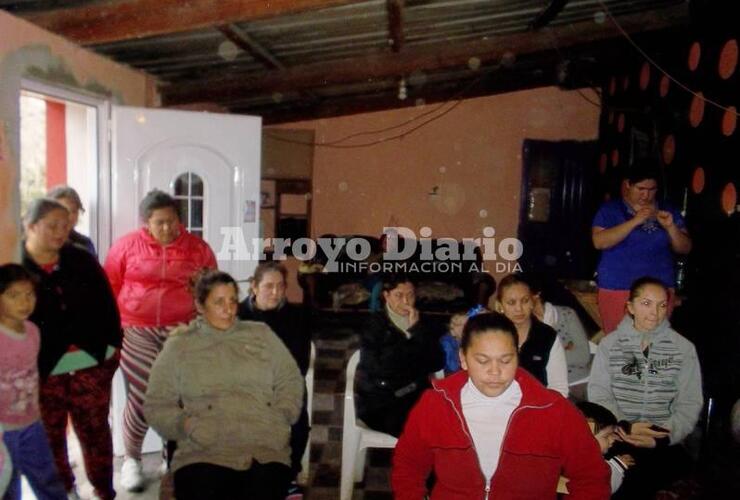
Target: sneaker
<point>295,492</point>
<point>131,476</point>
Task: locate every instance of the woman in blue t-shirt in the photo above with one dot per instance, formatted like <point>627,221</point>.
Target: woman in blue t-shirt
<point>637,236</point>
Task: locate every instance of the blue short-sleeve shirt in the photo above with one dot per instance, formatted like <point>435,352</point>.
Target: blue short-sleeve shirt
<point>646,251</point>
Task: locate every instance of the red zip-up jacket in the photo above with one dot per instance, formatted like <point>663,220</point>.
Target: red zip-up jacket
<point>151,282</point>
<point>545,437</point>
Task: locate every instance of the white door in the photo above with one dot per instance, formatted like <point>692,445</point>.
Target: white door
<point>219,154</point>
<point>210,162</point>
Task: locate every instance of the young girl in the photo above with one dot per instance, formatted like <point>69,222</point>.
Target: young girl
<point>24,433</point>
<point>603,424</point>
<point>450,342</point>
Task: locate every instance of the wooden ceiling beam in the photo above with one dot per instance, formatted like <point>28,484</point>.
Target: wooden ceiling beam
<point>395,23</point>
<point>119,20</point>
<point>547,14</point>
<point>534,71</point>
<point>244,41</point>
<point>349,105</point>
<point>430,58</point>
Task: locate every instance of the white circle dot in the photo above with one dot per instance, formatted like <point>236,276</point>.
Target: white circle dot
<point>483,213</point>
<point>599,17</point>
<point>488,232</point>
<point>228,50</point>
<point>425,232</point>
<point>474,63</point>
<point>343,186</point>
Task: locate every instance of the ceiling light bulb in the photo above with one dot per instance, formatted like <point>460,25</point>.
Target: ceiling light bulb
<point>402,90</point>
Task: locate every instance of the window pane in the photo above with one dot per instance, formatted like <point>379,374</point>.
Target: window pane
<point>196,185</point>
<point>197,220</point>
<point>184,212</point>
<point>181,185</point>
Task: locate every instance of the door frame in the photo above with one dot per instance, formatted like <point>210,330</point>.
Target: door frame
<point>100,207</point>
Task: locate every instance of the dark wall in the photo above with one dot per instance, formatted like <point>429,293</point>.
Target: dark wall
<point>697,145</point>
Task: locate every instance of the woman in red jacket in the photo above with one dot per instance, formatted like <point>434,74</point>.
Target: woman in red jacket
<point>493,431</point>
<point>150,271</point>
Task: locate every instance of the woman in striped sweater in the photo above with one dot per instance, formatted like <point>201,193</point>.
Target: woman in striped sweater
<point>150,271</point>
<point>649,377</point>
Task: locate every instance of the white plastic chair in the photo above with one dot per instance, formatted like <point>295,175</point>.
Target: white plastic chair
<point>356,437</point>
<point>592,347</point>
<point>303,476</point>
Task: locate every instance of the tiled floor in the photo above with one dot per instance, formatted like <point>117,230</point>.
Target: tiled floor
<point>336,339</point>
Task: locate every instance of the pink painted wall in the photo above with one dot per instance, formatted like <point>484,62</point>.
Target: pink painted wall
<point>472,155</point>
<point>28,51</point>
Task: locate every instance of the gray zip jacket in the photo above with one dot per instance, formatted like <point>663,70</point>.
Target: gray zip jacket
<point>240,388</point>
<point>663,387</point>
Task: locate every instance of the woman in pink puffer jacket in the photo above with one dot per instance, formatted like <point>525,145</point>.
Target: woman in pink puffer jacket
<point>150,270</point>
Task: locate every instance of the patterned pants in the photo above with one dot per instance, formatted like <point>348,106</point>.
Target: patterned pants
<point>83,396</point>
<point>141,345</point>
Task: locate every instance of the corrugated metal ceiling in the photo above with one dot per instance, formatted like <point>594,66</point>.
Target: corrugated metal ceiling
<point>338,33</point>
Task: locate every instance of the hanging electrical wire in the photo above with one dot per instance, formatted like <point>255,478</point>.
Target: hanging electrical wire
<point>458,95</point>
<point>336,144</point>
<point>658,67</point>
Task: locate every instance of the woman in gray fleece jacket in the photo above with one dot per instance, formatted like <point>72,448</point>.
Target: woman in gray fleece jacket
<point>227,391</point>
<point>649,377</point>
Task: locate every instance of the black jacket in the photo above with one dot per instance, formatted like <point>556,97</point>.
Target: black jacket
<point>392,365</point>
<point>289,322</point>
<point>74,306</point>
<point>535,353</point>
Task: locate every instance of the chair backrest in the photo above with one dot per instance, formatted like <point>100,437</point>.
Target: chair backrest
<point>349,388</point>
<point>592,347</point>
<point>309,382</point>
<point>303,475</point>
